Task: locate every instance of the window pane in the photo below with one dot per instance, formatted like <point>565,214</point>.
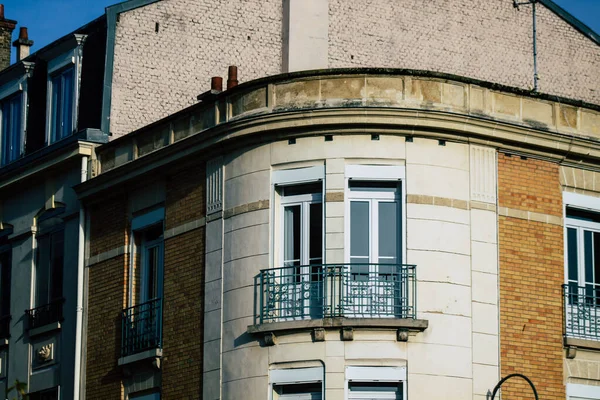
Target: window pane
<point>56,108</point>
<point>42,271</point>
<point>5,266</point>
<point>316,233</point>
<point>11,129</point>
<point>152,260</point>
<point>388,232</point>
<point>588,256</point>
<point>57,265</point>
<point>291,235</point>
<point>572,254</point>
<point>359,230</point>
<point>67,103</point>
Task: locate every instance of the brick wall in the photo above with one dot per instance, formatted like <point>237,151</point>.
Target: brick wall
<point>531,275</point>
<point>106,298</point>
<point>158,73</point>
<point>488,40</point>
<point>6,29</point>
<point>183,324</point>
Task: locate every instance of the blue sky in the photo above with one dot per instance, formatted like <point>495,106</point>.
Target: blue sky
<point>47,20</point>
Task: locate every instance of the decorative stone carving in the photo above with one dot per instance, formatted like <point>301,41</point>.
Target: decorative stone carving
<point>45,353</point>
<point>319,335</point>
<point>269,339</point>
<point>347,333</point>
<point>402,335</point>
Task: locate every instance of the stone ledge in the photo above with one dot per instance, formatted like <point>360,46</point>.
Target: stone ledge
<point>54,326</point>
<point>416,325</point>
<point>151,354</point>
<point>582,343</point>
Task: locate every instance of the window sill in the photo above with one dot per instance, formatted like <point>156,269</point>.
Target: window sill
<point>40,330</point>
<point>152,354</point>
<point>347,325</point>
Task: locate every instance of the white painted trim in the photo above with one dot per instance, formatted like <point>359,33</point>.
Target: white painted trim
<point>295,375</point>
<point>376,172</point>
<point>586,391</point>
<point>581,201</point>
<point>376,374</point>
<point>150,218</point>
<point>298,175</point>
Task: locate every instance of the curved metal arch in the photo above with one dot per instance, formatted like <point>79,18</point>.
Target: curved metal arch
<point>510,376</point>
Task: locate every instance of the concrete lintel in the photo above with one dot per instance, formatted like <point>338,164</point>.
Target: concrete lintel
<point>141,356</point>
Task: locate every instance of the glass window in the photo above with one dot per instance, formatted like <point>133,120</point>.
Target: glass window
<point>61,104</point>
<point>375,390</point>
<point>298,391</point>
<point>5,272</point>
<point>50,394</point>
<point>49,268</point>
<point>147,279</point>
<point>12,131</point>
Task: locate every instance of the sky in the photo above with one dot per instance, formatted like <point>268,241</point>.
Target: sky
<point>48,20</point>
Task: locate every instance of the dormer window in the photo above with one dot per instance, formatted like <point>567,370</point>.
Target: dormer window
<point>11,138</point>
<point>61,103</point>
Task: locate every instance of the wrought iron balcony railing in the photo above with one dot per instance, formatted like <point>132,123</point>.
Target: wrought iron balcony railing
<point>46,314</point>
<point>141,327</point>
<point>336,290</point>
<point>582,311</point>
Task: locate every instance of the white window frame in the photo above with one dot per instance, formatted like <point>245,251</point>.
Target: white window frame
<point>578,391</point>
<point>7,91</point>
<point>375,375</point>
<point>68,59</point>
<point>375,173</point>
<point>296,376</point>
<point>292,177</point>
<point>138,225</point>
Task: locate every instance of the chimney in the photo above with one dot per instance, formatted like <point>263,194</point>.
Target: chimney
<point>22,44</point>
<point>216,83</point>
<point>232,80</point>
<point>7,26</point>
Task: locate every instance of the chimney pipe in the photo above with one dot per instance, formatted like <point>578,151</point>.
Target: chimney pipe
<point>6,28</point>
<point>216,83</point>
<point>232,80</point>
<point>22,44</point>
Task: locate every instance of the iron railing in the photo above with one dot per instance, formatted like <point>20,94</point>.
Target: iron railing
<point>582,311</point>
<point>336,290</point>
<point>46,314</point>
<point>141,327</point>
<point>5,326</point>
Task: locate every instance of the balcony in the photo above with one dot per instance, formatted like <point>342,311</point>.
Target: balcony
<point>582,316</point>
<point>141,327</point>
<point>47,316</point>
<point>337,295</point>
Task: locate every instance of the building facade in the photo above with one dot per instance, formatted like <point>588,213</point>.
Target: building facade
<point>383,209</point>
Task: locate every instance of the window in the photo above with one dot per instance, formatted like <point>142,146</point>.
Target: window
<point>376,383</point>
<point>376,279</point>
<point>297,384</point>
<point>142,320</point>
<point>5,272</point>
<point>302,250</point>
<point>61,104</point>
<point>583,273</point>
<point>582,392</point>
<point>147,396</point>
<point>49,268</point>
<point>12,130</point>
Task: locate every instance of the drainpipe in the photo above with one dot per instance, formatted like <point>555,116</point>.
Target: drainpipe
<point>79,307</point>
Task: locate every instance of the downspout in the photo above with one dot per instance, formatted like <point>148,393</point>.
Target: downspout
<point>79,307</point>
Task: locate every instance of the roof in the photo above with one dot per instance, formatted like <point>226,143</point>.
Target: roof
<point>571,20</point>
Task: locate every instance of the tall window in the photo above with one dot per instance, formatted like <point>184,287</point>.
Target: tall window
<point>376,282</point>
<point>49,268</point>
<point>61,107</point>
<point>12,130</point>
<point>5,272</point>
<point>49,394</point>
<point>376,383</point>
<point>301,250</point>
<point>149,279</point>
<point>297,383</point>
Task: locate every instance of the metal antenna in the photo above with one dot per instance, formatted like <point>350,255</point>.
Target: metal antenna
<point>516,5</point>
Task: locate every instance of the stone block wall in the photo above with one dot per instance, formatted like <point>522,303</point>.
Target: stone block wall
<point>531,275</point>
